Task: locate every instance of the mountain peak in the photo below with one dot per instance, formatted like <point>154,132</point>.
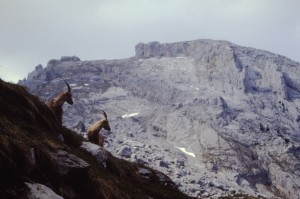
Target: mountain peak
<point>234,108</point>
<point>188,48</point>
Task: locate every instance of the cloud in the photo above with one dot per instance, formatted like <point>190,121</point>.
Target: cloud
<point>34,31</point>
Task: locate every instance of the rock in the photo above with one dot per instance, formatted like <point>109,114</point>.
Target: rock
<point>156,176</point>
<point>125,151</point>
<point>33,156</point>
<point>163,164</point>
<point>152,49</point>
<point>179,163</point>
<point>38,191</point>
<point>69,58</point>
<point>135,144</point>
<point>135,158</point>
<point>213,166</point>
<point>120,142</point>
<point>130,135</point>
<point>60,137</point>
<point>39,67</point>
<point>165,180</point>
<point>180,173</point>
<point>34,74</point>
<point>99,153</point>
<point>144,171</point>
<point>142,161</point>
<point>158,158</point>
<point>53,62</point>
<point>232,190</point>
<point>223,187</point>
<point>64,162</point>
<point>80,127</point>
<point>205,194</point>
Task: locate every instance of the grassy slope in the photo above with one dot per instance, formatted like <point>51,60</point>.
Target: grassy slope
<point>26,122</point>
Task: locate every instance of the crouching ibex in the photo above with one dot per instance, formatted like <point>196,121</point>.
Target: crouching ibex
<point>56,103</point>
<point>93,132</point>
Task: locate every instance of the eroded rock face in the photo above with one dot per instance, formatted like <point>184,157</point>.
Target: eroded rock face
<point>206,109</point>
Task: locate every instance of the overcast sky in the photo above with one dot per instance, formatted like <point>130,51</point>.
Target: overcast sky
<point>34,31</point>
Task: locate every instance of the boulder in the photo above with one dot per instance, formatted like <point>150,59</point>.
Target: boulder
<point>163,164</point>
<point>125,151</point>
<point>179,163</point>
<point>98,152</point>
<point>38,191</point>
<point>64,162</point>
<point>80,127</point>
<point>69,58</point>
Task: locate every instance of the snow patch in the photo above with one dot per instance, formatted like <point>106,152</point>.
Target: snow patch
<point>186,152</point>
<point>77,88</point>
<point>130,115</point>
<point>195,87</point>
<point>86,84</point>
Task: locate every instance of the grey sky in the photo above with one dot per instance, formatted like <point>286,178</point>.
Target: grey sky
<point>35,31</point>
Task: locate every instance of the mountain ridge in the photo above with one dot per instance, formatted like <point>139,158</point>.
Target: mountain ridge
<point>234,107</point>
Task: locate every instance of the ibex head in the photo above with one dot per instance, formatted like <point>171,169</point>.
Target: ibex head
<point>105,121</point>
<point>68,94</point>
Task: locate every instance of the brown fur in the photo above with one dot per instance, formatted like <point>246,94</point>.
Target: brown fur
<point>57,103</point>
<point>94,134</point>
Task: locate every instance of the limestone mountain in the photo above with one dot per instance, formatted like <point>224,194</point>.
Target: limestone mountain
<point>214,116</point>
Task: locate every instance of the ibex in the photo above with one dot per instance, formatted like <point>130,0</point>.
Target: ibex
<point>93,132</point>
<point>56,103</point>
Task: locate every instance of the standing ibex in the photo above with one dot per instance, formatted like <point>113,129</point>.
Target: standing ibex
<point>56,103</point>
<point>94,134</point>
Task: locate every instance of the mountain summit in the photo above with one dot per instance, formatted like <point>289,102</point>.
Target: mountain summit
<point>214,116</point>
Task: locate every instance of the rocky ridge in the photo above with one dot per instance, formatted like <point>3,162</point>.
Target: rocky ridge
<point>216,117</point>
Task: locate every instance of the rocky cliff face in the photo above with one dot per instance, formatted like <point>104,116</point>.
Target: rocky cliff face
<point>214,116</point>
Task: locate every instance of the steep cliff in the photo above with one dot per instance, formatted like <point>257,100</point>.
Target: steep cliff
<point>214,116</point>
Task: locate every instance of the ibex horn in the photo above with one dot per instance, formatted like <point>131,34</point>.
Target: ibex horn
<point>69,88</point>
<point>102,112</point>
